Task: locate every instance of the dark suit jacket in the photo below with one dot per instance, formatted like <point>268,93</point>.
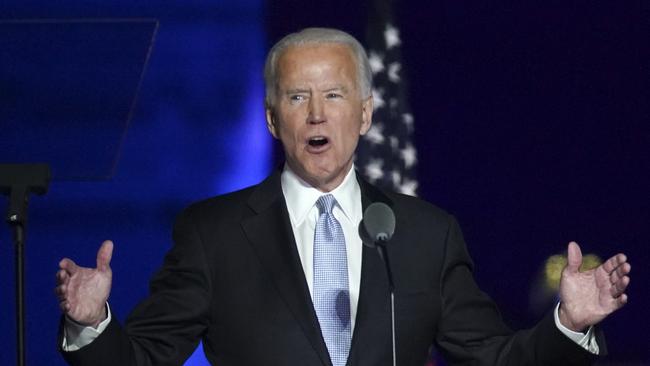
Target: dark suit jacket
<point>234,280</point>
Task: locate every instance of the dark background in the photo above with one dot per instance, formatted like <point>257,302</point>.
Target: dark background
<point>531,124</point>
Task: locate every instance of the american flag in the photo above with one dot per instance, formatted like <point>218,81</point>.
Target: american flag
<point>386,155</point>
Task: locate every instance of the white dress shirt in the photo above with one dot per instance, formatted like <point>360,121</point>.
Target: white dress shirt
<point>301,203</point>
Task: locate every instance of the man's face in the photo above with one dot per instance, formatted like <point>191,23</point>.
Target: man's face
<point>318,112</point>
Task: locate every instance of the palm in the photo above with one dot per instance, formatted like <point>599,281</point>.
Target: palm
<point>588,297</point>
<point>83,291</point>
<point>88,291</point>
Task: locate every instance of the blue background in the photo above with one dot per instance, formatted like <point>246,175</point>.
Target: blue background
<point>531,120</point>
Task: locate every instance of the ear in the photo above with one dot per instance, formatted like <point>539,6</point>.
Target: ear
<point>271,122</point>
<point>366,115</point>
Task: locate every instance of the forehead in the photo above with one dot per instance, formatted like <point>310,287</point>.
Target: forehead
<point>316,60</point>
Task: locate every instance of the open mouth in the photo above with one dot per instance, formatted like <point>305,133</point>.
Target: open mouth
<point>318,141</point>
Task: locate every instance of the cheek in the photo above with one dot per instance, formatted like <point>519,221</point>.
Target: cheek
<point>288,133</point>
<point>291,128</point>
<point>348,142</point>
<point>289,140</point>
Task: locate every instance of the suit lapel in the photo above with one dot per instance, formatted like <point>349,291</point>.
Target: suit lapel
<point>269,231</point>
<point>372,322</point>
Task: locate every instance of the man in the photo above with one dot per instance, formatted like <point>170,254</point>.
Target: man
<point>276,273</point>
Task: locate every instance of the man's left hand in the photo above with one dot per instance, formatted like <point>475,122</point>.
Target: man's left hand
<point>590,296</point>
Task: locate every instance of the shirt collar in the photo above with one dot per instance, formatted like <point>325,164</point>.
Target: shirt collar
<point>301,197</point>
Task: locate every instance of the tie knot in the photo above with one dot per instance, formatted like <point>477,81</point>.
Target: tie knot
<point>325,204</point>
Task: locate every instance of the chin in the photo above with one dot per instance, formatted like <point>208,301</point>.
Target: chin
<point>331,176</point>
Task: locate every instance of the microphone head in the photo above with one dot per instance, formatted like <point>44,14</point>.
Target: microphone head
<point>378,222</point>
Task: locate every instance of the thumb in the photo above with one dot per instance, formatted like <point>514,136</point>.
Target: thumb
<point>574,257</point>
<point>104,255</point>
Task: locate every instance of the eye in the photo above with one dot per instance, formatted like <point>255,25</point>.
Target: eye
<point>333,95</point>
<point>295,98</point>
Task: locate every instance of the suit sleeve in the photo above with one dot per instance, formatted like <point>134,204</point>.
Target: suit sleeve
<point>166,327</point>
<point>471,331</point>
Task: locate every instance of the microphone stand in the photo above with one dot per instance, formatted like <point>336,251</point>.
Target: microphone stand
<point>380,243</point>
<point>376,229</point>
<point>17,181</point>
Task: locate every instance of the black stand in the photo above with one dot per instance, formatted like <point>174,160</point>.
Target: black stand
<point>381,249</point>
<point>17,181</point>
<point>375,230</point>
<point>96,66</point>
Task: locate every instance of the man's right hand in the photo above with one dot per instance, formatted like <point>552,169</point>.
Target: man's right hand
<point>83,292</point>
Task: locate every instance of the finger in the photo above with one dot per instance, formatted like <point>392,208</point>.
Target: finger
<point>69,266</point>
<point>61,295</point>
<point>62,276</point>
<point>64,306</point>
<point>620,271</point>
<point>104,255</point>
<point>574,257</point>
<point>621,300</point>
<point>60,292</point>
<point>624,269</point>
<point>612,263</point>
<point>619,287</point>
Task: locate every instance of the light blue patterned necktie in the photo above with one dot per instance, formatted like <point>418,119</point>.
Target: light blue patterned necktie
<point>331,292</point>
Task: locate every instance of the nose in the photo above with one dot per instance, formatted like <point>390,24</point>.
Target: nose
<point>316,111</point>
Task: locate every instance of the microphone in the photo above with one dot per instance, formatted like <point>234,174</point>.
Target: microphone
<point>379,224</point>
<point>376,229</point>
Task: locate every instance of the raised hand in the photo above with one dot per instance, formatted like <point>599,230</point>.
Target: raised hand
<point>83,292</point>
<point>590,296</point>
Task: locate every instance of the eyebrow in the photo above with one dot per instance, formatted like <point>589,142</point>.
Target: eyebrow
<point>336,88</point>
<point>326,90</point>
<point>296,91</point>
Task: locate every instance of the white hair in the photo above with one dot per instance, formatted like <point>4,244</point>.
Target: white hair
<point>311,36</point>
